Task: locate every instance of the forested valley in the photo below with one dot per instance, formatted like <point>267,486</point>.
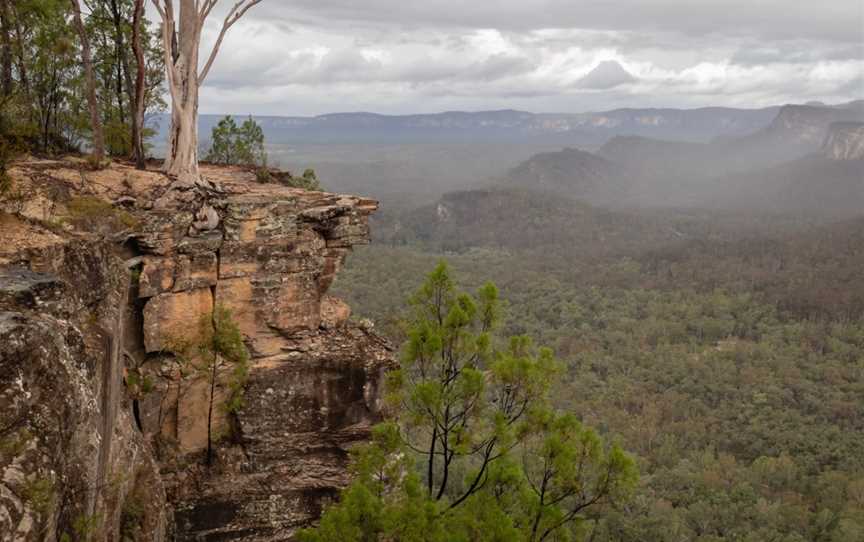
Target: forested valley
<point>723,348</point>
<point>699,285</point>
<point>732,369</point>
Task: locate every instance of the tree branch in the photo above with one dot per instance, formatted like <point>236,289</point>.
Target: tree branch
<point>159,9</point>
<point>239,9</point>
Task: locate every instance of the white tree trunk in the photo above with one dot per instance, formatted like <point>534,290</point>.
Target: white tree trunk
<point>181,62</point>
<point>182,160</point>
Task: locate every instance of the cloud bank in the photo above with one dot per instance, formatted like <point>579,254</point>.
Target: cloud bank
<point>314,56</point>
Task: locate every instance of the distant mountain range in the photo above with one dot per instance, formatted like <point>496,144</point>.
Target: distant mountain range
<point>796,130</point>
<point>808,159</point>
<point>584,129</point>
<point>806,162</point>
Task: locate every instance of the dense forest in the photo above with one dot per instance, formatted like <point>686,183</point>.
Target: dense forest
<point>718,351</point>
<point>726,356</point>
<point>46,69</point>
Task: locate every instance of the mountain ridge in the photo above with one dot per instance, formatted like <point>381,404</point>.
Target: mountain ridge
<point>592,129</point>
<point>807,160</point>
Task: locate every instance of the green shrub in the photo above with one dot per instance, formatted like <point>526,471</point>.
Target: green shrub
<point>84,528</point>
<point>39,495</point>
<point>309,180</point>
<point>238,145</point>
<point>95,164</point>
<point>131,518</point>
<point>139,383</point>
<point>15,442</point>
<point>263,175</point>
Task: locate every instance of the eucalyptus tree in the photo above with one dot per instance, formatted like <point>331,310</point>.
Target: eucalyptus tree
<point>98,140</point>
<point>139,105</point>
<point>5,48</point>
<point>181,36</point>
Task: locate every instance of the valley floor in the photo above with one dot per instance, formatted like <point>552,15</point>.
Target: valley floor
<point>737,386</point>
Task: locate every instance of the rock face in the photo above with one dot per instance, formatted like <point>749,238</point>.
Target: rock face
<point>806,124</point>
<point>268,253</point>
<point>303,409</point>
<point>845,141</point>
<point>71,458</point>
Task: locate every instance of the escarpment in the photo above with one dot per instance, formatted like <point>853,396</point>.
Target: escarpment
<point>844,141</point>
<point>104,424</point>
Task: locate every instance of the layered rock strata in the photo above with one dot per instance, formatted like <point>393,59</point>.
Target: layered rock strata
<point>72,461</point>
<point>845,141</point>
<point>266,252</point>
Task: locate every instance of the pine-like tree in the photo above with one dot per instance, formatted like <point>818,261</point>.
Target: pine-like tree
<point>474,450</point>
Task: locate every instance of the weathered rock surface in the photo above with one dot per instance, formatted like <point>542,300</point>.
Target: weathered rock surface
<point>269,253</point>
<point>845,141</point>
<point>304,408</point>
<point>70,453</point>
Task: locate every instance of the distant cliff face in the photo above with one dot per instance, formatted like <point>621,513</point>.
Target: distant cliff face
<point>805,124</point>
<point>845,141</point>
<point>269,253</point>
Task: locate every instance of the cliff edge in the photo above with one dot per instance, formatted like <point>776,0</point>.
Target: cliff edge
<point>100,271</point>
<point>845,141</point>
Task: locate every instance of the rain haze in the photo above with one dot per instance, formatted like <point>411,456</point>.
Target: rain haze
<point>398,57</point>
<point>432,270</point>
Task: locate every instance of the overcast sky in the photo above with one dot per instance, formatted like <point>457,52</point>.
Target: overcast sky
<point>306,57</point>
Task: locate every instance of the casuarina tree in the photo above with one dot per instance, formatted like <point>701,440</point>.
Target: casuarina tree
<point>474,449</point>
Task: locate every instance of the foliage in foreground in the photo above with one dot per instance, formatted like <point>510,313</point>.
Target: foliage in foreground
<point>745,419</point>
<point>237,145</point>
<point>218,355</point>
<point>44,88</point>
<point>474,451</point>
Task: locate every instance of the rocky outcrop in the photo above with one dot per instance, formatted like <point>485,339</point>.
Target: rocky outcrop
<point>304,409</point>
<point>845,141</point>
<point>797,131</point>
<point>806,124</point>
<point>72,461</point>
<point>269,254</point>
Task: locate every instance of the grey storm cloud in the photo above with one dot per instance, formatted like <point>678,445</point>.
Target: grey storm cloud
<point>400,56</point>
<point>499,66</point>
<point>608,74</point>
<point>836,19</point>
<point>795,52</point>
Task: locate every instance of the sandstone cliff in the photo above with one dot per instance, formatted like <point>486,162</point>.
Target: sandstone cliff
<point>104,426</point>
<point>845,141</point>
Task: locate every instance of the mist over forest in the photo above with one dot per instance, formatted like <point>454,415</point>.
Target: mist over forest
<point>507,271</point>
<point>698,272</point>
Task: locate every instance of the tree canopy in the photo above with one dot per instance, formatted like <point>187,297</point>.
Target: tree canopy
<point>473,449</point>
<point>237,145</point>
<point>42,76</point>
